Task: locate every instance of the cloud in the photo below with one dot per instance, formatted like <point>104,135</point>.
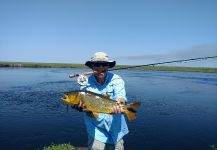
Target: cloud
<point>196,51</point>
<point>188,53</point>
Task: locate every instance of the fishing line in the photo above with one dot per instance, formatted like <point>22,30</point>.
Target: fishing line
<point>166,62</point>
<point>152,64</point>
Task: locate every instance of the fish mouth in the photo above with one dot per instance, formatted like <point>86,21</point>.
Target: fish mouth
<point>64,98</point>
<point>65,101</point>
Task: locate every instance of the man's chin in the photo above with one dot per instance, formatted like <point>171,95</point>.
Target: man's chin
<point>101,74</point>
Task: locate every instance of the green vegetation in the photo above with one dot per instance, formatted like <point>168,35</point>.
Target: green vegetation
<point>70,147</point>
<point>63,147</point>
<point>64,65</point>
<point>40,65</point>
<point>212,147</point>
<point>185,69</point>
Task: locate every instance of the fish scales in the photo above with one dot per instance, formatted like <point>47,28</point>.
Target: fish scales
<point>98,103</point>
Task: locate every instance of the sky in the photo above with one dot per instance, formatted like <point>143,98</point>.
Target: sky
<point>132,32</point>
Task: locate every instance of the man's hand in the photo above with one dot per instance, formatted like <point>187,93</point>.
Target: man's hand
<point>121,100</point>
<point>76,107</point>
<point>81,107</point>
<point>118,109</point>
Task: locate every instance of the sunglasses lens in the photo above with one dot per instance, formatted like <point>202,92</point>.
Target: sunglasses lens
<point>100,64</point>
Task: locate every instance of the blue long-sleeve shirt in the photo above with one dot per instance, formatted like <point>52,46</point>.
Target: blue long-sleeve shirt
<point>107,128</point>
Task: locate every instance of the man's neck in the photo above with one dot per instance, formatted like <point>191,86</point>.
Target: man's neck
<point>99,80</point>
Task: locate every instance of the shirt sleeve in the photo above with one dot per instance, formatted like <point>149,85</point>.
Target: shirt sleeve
<point>119,88</point>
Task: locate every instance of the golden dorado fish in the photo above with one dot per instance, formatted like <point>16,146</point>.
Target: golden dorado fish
<point>99,103</point>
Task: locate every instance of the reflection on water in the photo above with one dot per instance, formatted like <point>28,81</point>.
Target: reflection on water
<point>178,111</point>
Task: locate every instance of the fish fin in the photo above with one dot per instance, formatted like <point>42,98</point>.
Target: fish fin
<point>106,96</point>
<point>130,111</point>
<point>130,115</point>
<point>67,108</point>
<point>94,114</point>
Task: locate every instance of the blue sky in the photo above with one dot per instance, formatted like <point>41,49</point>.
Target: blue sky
<point>131,32</point>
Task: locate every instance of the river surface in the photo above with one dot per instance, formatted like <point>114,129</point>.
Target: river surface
<point>178,111</point>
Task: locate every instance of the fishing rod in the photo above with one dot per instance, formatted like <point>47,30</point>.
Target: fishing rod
<point>166,62</point>
<point>136,66</point>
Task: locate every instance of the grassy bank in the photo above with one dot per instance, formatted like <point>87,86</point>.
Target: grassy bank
<point>40,65</point>
<point>70,147</point>
<point>64,65</point>
<point>184,69</point>
<point>63,147</point>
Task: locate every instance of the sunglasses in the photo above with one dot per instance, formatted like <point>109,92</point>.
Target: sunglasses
<point>103,64</point>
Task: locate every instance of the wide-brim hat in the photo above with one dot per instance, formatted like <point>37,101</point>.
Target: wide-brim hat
<point>100,57</point>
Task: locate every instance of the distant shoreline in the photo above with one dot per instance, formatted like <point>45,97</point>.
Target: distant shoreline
<point>65,65</point>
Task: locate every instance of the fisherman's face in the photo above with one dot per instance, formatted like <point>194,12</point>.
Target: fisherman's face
<point>101,68</point>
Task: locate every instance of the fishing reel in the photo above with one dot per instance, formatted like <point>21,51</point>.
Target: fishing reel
<point>82,79</point>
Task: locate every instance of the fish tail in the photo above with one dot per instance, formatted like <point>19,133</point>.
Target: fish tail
<point>130,111</point>
<point>130,115</point>
<point>134,105</point>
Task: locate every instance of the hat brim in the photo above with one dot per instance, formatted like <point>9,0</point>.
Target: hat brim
<point>90,63</point>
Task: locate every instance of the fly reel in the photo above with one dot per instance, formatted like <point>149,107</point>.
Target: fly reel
<point>82,79</point>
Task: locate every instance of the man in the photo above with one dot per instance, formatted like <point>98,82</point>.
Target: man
<point>105,131</point>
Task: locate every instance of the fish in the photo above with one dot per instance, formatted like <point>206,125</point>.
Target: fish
<point>99,103</point>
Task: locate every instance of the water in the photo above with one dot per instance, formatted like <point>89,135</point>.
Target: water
<point>179,109</point>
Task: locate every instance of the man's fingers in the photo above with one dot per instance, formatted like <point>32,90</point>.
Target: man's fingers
<point>77,107</point>
<point>117,110</point>
<point>84,108</point>
<point>80,104</point>
<point>121,100</point>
